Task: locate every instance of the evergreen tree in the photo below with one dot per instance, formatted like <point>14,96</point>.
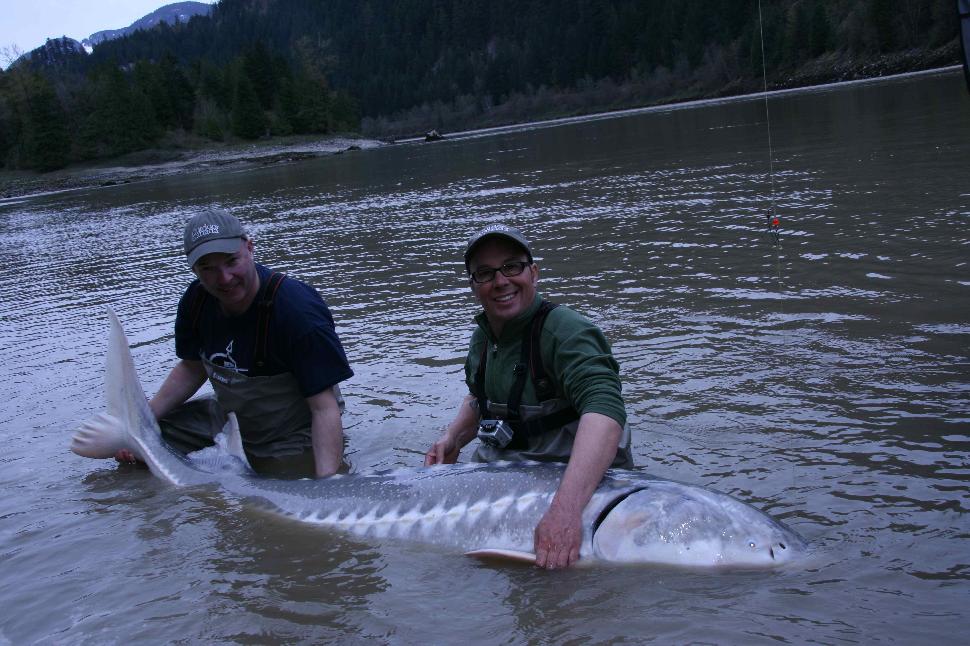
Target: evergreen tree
<point>121,120</point>
<point>797,35</point>
<point>48,143</point>
<point>147,79</point>
<point>882,28</point>
<point>209,120</point>
<point>287,107</point>
<point>820,36</point>
<point>248,119</point>
<point>259,67</point>
<point>34,133</point>
<point>313,115</point>
<point>214,83</point>
<point>345,113</point>
<point>9,127</point>
<point>181,94</point>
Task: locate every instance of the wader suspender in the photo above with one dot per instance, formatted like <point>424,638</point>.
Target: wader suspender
<point>264,309</point>
<point>531,359</point>
<point>199,297</point>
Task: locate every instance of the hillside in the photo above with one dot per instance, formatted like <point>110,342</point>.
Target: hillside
<point>258,68</point>
<point>179,12</point>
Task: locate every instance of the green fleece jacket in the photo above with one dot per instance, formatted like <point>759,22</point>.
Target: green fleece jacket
<point>576,356</point>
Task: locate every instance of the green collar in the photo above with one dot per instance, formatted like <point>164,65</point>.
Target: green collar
<point>513,328</point>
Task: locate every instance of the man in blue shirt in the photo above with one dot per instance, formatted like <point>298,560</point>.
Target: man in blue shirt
<point>267,345</point>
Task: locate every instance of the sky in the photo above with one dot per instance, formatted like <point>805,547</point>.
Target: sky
<point>26,24</point>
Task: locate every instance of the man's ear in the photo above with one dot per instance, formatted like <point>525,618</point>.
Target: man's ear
<point>471,286</point>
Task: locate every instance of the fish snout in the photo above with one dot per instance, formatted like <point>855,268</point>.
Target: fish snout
<point>782,550</point>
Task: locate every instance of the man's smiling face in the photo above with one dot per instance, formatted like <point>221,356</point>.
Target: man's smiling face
<point>504,297</point>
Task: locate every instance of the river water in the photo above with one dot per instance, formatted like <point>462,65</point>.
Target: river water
<point>824,377</point>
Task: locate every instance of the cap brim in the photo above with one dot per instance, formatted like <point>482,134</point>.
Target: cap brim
<point>221,245</point>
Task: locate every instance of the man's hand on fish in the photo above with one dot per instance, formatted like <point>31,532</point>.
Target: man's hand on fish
<point>558,537</point>
<point>444,451</point>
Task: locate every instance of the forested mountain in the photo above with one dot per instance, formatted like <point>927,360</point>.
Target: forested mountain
<point>55,53</point>
<point>170,13</point>
<point>271,67</point>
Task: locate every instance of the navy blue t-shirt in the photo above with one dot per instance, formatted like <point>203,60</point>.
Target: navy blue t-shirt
<point>302,339</point>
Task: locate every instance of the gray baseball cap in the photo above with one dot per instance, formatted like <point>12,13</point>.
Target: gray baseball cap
<point>212,231</point>
<point>498,231</point>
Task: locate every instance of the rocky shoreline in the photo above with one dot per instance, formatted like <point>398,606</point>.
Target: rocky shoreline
<point>834,69</point>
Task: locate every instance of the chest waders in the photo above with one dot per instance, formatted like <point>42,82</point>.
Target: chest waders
<point>545,431</point>
<point>274,418</point>
<point>540,432</point>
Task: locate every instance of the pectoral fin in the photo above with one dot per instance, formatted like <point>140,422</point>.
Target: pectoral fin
<point>502,555</point>
<point>233,439</point>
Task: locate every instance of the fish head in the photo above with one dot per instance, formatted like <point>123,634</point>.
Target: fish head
<point>678,524</point>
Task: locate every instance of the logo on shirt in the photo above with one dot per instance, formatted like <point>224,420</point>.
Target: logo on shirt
<point>225,359</point>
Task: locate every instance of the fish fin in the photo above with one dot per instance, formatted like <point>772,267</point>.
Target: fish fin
<point>226,453</point>
<point>101,436</point>
<point>509,556</point>
<point>125,397</point>
<point>104,434</point>
<point>114,370</point>
<point>498,555</point>
<point>234,443</point>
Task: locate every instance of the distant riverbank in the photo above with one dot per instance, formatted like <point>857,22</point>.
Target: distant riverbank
<point>606,95</point>
<point>155,163</point>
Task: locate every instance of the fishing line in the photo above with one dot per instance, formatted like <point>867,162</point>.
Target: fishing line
<point>773,223</point>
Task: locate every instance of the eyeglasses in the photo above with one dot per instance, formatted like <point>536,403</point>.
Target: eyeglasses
<point>509,269</point>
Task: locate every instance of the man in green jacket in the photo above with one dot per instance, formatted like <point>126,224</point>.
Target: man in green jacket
<point>543,386</point>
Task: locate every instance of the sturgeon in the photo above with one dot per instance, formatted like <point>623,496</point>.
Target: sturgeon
<point>486,510</point>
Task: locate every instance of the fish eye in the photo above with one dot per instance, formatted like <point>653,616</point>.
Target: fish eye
<point>752,545</point>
